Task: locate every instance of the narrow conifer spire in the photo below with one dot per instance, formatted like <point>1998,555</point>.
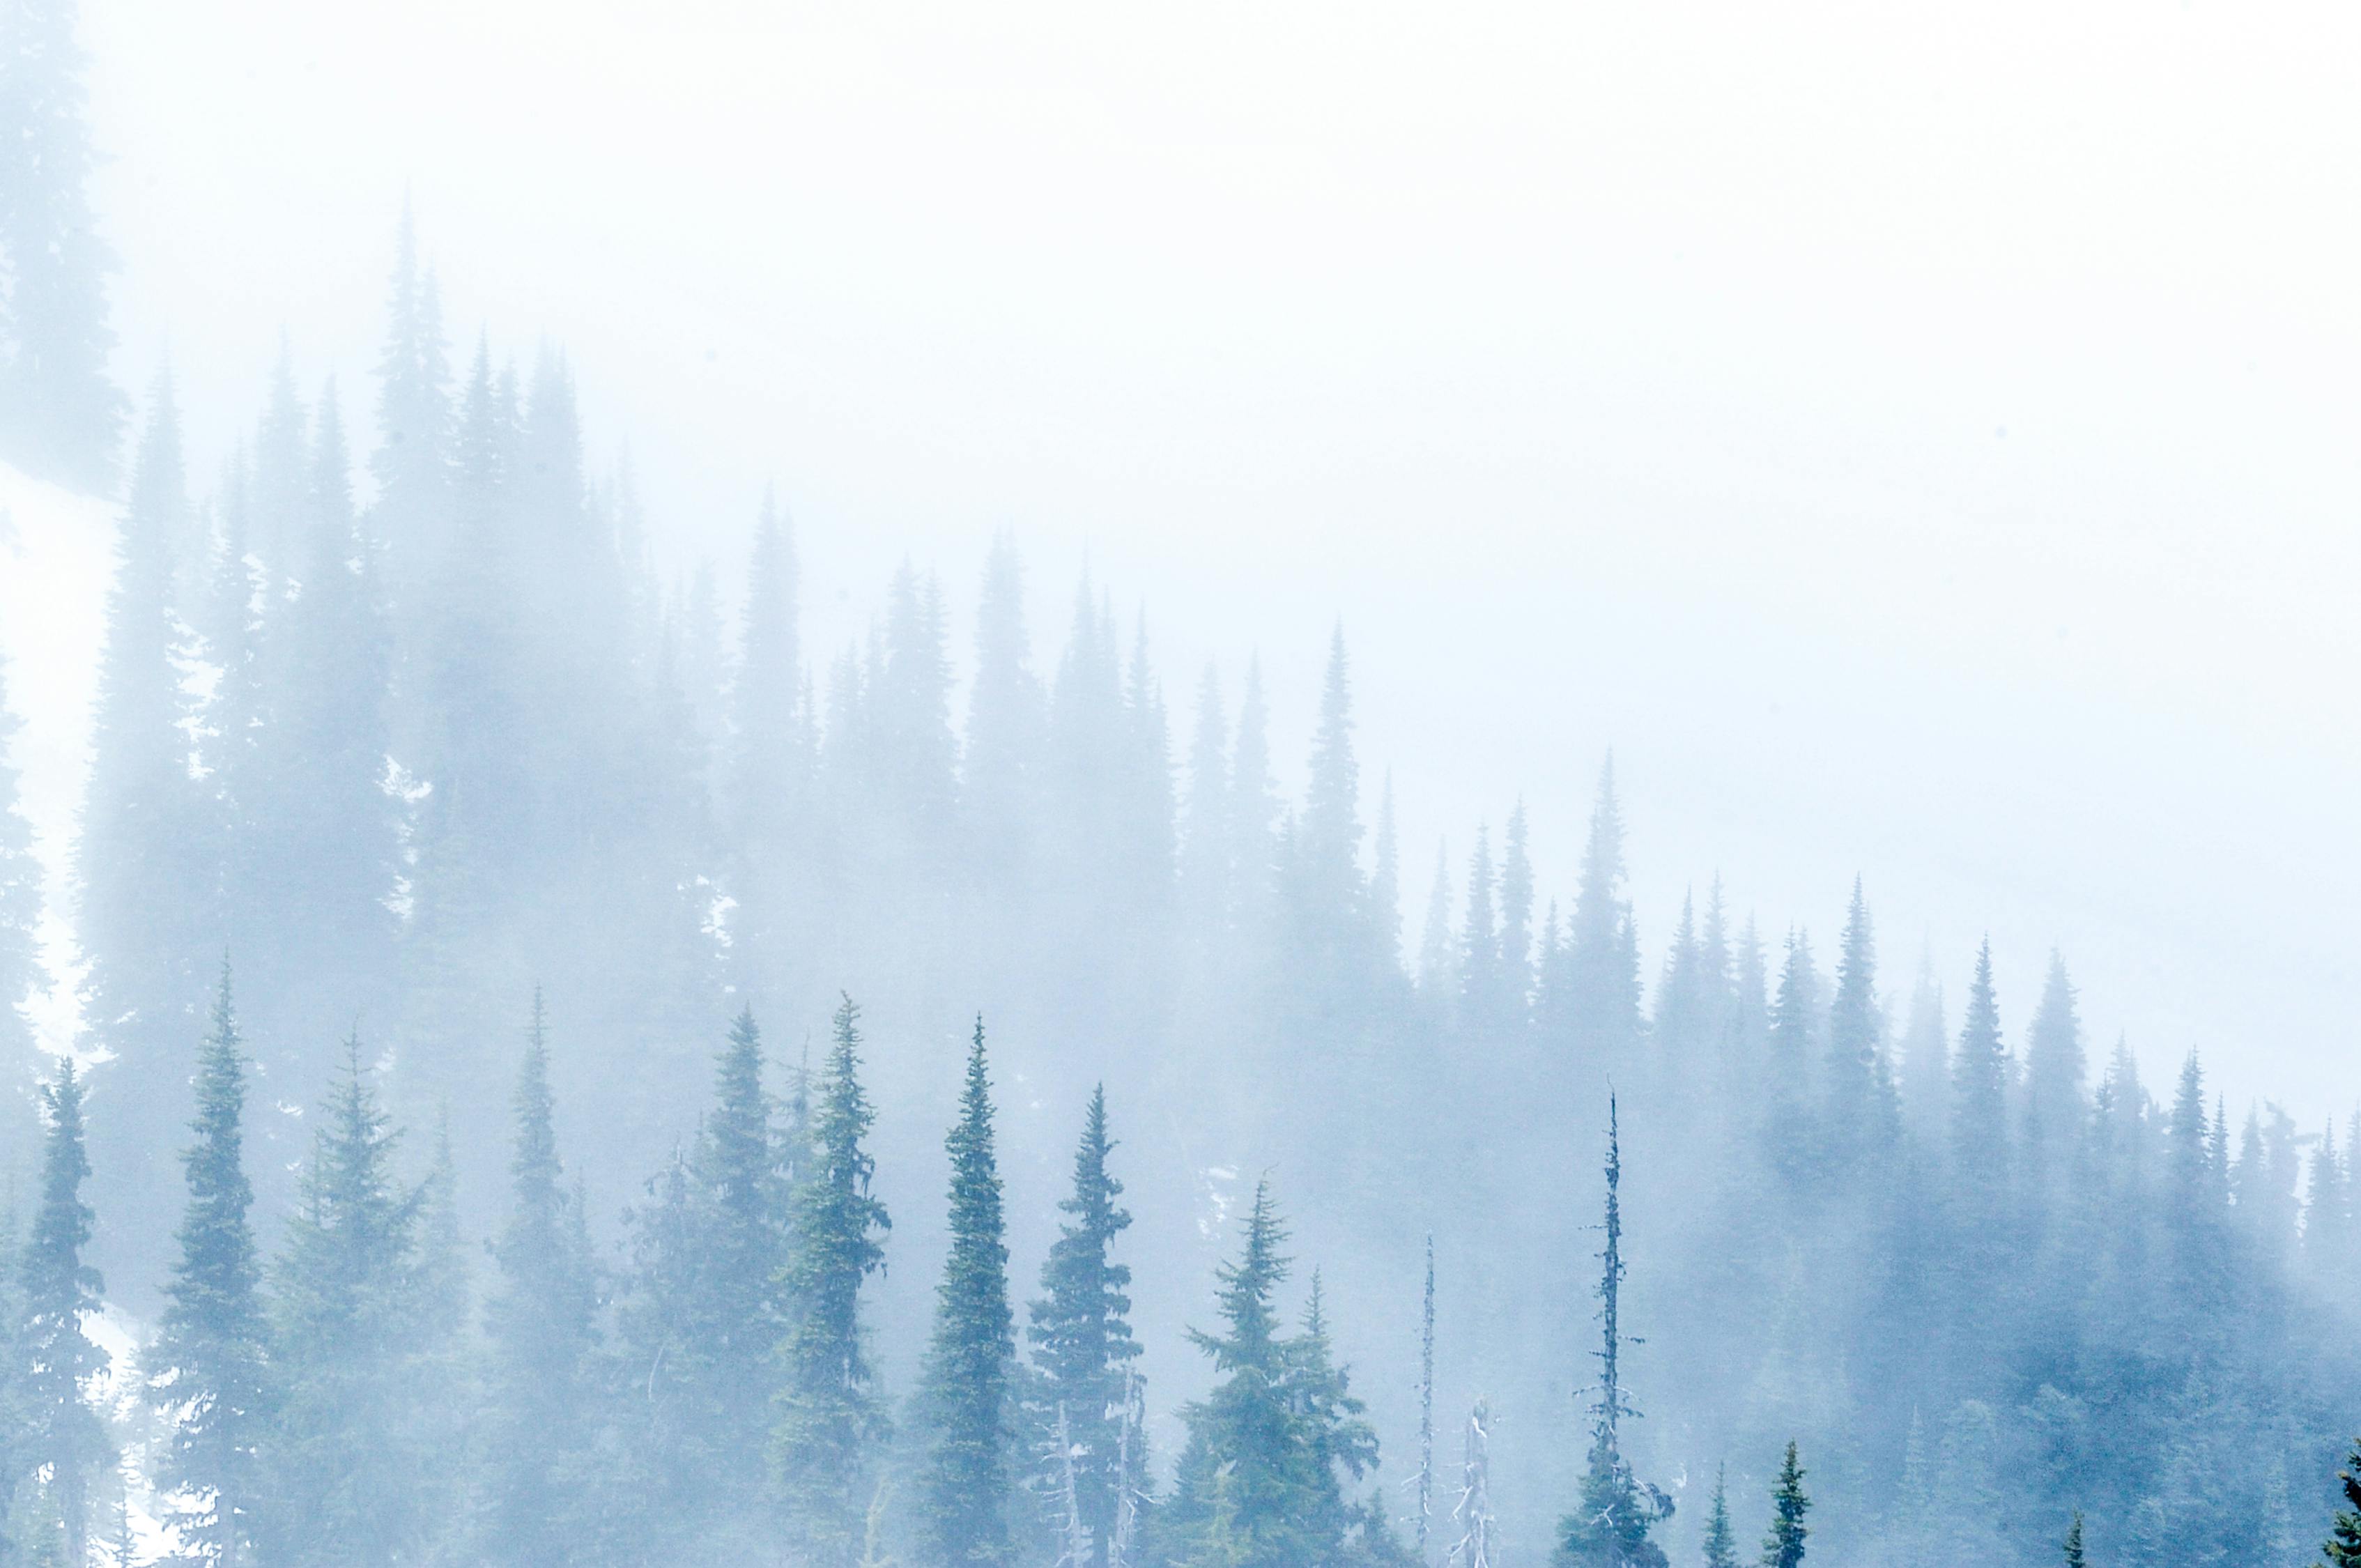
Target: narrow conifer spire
<point>1783,1547</point>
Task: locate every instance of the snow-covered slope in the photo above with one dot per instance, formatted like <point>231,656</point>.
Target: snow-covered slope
<point>56,557</point>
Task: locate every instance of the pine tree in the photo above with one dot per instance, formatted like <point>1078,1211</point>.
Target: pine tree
<point>1603,975</point>
<point>1080,1335</point>
<point>412,463</point>
<point>1980,1074</point>
<point>56,1361</point>
<point>540,1321</point>
<point>347,1471</point>
<point>1330,891</point>
<point>60,415</point>
<point>2054,1072</point>
<point>145,916</point>
<point>1858,1097</point>
<point>2074,1541</point>
<point>2344,1546</point>
<point>828,1414</point>
<point>1610,1527</point>
<point>966,1384</point>
<point>741,1309</point>
<point>209,1367</point>
<point>1783,1547</point>
<point>1720,1539</point>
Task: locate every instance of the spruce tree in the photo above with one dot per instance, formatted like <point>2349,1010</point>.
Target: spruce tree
<point>1858,1106</point>
<point>2054,1070</point>
<point>540,1321</point>
<point>1081,1335</point>
<point>348,1473</point>
<point>1603,976</point>
<point>741,1309</point>
<point>1979,1076</point>
<point>56,1361</point>
<point>60,417</point>
<point>1612,1526</point>
<point>828,1418</point>
<point>1720,1539</point>
<point>209,1367</point>
<point>966,1385</point>
<point>1783,1547</point>
<point>2342,1549</point>
<point>2074,1541</point>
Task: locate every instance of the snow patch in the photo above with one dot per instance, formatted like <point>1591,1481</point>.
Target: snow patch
<point>57,561</point>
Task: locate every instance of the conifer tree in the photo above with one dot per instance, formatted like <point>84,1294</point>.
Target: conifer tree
<point>1857,1107</point>
<point>1000,773</point>
<point>349,1469</point>
<point>966,1388</point>
<point>1438,965</point>
<point>1611,1525</point>
<point>1783,1547</point>
<point>1720,1539</point>
<point>1254,807</point>
<point>1329,887</point>
<point>1516,911</point>
<point>540,1321</point>
<point>412,463</point>
<point>2054,1072</point>
<point>1602,974</point>
<point>56,1360</point>
<point>210,1364</point>
<point>60,415</point>
<point>1080,1335</point>
<point>1980,1089</point>
<point>1205,863</point>
<point>742,1306</point>
<point>2074,1541</point>
<point>828,1414</point>
<point>2344,1546</point>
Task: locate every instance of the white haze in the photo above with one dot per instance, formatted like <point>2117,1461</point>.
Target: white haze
<point>1917,443</point>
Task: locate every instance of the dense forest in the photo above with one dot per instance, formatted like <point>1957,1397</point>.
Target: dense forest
<point>574,1074</point>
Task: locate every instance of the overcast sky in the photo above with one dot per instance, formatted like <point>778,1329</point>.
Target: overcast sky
<point>1920,441</point>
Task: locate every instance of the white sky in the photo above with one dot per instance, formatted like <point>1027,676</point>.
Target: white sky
<point>1921,439</point>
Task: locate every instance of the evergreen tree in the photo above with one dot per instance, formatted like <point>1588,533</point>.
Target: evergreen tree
<point>2344,1546</point>
<point>540,1321</point>
<point>1516,912</point>
<point>741,1309</point>
<point>1858,1094</point>
<point>2074,1541</point>
<point>966,1386</point>
<point>1720,1539</point>
<point>1979,1076</point>
<point>209,1367</point>
<point>1000,772</point>
<point>412,463</point>
<point>1205,864</point>
<point>1080,1335</point>
<point>828,1416</point>
<point>1612,1526</point>
<point>2054,1072</point>
<point>145,880</point>
<point>1783,1547</point>
<point>60,415</point>
<point>348,1473</point>
<point>56,1361</point>
<point>1438,965</point>
<point>1603,973</point>
<point>1330,891</point>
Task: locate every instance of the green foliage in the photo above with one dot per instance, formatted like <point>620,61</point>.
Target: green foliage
<point>1080,1335</point>
<point>1783,1547</point>
<point>2074,1541</point>
<point>2342,1549</point>
<point>55,1360</point>
<point>966,1395</point>
<point>1720,1538</point>
<point>209,1368</point>
<point>828,1416</point>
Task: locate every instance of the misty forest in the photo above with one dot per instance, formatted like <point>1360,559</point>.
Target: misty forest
<point>570,1072</point>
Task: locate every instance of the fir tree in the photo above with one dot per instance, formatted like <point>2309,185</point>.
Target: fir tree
<point>1858,1099</point>
<point>1610,1527</point>
<point>209,1366</point>
<point>2342,1549</point>
<point>2074,1541</point>
<point>1080,1335</point>
<point>2054,1072</point>
<point>61,414</point>
<point>742,1306</point>
<point>827,1417</point>
<point>56,1361</point>
<point>1720,1539</point>
<point>348,1469</point>
<point>1783,1547</point>
<point>1603,975</point>
<point>540,1322</point>
<point>1980,1075</point>
<point>966,1388</point>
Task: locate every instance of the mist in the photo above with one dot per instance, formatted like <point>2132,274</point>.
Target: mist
<point>1355,581</point>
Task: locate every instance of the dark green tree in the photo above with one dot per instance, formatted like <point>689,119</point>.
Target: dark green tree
<point>1612,1524</point>
<point>55,1358</point>
<point>1720,1539</point>
<point>1080,1333</point>
<point>828,1418</point>
<point>2344,1546</point>
<point>966,1394</point>
<point>209,1367</point>
<point>347,1473</point>
<point>541,1321</point>
<point>2074,1541</point>
<point>1783,1547</point>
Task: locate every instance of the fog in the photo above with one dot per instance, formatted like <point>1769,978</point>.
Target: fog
<point>750,536</point>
